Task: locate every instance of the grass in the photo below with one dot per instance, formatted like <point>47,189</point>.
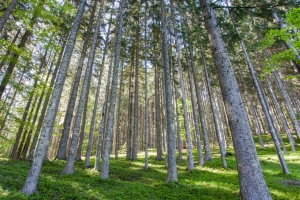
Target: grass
<point>129,180</point>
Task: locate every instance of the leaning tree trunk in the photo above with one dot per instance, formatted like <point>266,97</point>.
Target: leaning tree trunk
<point>45,105</point>
<point>195,115</point>
<point>92,126</point>
<point>214,112</point>
<point>263,101</point>
<point>109,127</point>
<point>183,97</point>
<point>69,167</point>
<point>281,115</point>
<point>7,13</point>
<point>171,133</point>
<point>62,148</point>
<point>103,119</point>
<point>252,183</point>
<point>208,156</point>
<point>34,172</point>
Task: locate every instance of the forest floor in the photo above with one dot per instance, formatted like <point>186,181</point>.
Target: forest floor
<point>129,180</point>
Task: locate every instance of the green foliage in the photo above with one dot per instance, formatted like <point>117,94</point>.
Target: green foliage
<point>129,180</point>
<point>289,34</point>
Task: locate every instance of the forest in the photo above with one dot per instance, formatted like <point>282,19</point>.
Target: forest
<point>149,99</point>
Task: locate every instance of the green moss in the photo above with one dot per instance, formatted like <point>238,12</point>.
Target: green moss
<point>129,180</point>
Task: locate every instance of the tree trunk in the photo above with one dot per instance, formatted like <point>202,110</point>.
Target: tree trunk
<point>45,105</point>
<point>263,101</point>
<point>7,13</point>
<point>171,134</point>
<point>62,148</point>
<point>136,96</point>
<point>107,146</point>
<point>183,96</point>
<point>34,172</point>
<point>214,112</point>
<point>92,126</point>
<point>146,91</point>
<point>252,183</point>
<point>119,113</point>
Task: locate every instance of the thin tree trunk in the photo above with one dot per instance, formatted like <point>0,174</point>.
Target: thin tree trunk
<point>195,115</point>
<point>263,102</point>
<point>136,96</point>
<point>7,13</point>
<point>118,114</point>
<point>183,96</point>
<point>171,134</point>
<point>214,113</point>
<point>4,58</point>
<point>146,91</point>
<point>92,126</point>
<point>104,117</point>
<point>69,166</point>
<point>32,178</point>
<point>45,104</point>
<point>107,146</point>
<point>62,148</point>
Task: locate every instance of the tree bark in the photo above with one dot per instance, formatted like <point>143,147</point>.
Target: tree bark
<point>34,172</point>
<point>252,183</point>
<point>7,13</point>
<point>107,145</point>
<point>171,134</point>
<point>62,148</point>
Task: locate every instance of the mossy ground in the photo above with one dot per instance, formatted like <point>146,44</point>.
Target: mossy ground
<point>129,180</point>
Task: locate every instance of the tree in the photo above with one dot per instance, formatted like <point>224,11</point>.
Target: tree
<point>252,183</point>
<point>34,172</point>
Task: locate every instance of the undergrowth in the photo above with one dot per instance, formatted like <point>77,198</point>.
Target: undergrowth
<point>129,180</point>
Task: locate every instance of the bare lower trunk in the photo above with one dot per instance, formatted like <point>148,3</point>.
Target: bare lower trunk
<point>171,137</point>
<point>62,149</point>
<point>252,183</point>
<point>111,110</point>
<point>32,178</point>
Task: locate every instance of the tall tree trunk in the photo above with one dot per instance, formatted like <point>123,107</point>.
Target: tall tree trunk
<point>107,145</point>
<point>136,95</point>
<point>69,167</point>
<point>171,134</point>
<point>34,172</point>
<point>157,113</point>
<point>118,114</point>
<point>255,119</point>
<point>62,148</point>
<point>214,112</point>
<point>208,156</point>
<point>183,96</point>
<point>281,115</point>
<point>4,58</point>
<point>92,126</point>
<point>28,139</point>
<point>195,114</point>
<point>45,104</point>
<point>129,113</point>
<point>7,13</point>
<point>263,101</point>
<point>104,116</point>
<point>287,104</point>
<point>15,153</point>
<point>146,91</point>
<point>252,183</point>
